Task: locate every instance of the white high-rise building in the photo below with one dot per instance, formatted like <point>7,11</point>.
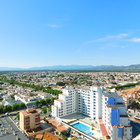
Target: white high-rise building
<point>96,103</point>
<point>66,104</point>
<point>88,101</point>
<point>79,100</point>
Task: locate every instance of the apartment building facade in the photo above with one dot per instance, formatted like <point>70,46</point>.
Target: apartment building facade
<point>29,119</point>
<point>115,118</point>
<point>84,101</point>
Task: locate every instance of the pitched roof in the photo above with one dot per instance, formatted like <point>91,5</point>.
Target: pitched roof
<point>39,136</point>
<point>58,126</point>
<point>50,136</point>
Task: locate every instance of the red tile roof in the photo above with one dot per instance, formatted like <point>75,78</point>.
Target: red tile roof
<point>50,136</point>
<point>58,126</point>
<point>39,136</point>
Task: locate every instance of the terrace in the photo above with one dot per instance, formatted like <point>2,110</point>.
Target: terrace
<point>92,125</point>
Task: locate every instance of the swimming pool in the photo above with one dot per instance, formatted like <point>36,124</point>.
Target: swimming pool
<point>82,127</point>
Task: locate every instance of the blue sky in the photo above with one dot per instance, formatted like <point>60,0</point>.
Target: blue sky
<point>65,32</point>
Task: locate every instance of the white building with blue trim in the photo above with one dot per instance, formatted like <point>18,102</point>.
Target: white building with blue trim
<point>115,118</point>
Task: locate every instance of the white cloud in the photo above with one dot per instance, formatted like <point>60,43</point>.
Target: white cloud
<point>117,36</point>
<point>110,45</point>
<point>120,36</point>
<point>53,25</point>
<point>135,40</point>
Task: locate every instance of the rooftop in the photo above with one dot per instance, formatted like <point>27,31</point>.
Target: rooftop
<point>58,126</point>
<point>29,111</point>
<point>39,136</point>
<point>60,100</point>
<point>50,136</point>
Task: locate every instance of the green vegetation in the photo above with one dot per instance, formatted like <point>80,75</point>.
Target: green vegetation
<point>135,105</point>
<point>60,84</point>
<point>12,96</point>
<point>125,86</point>
<point>36,87</point>
<point>17,116</point>
<point>46,102</point>
<point>49,108</point>
<point>61,75</point>
<point>65,134</point>
<point>9,108</point>
<point>44,109</point>
<point>1,110</point>
<point>92,128</point>
<point>64,137</point>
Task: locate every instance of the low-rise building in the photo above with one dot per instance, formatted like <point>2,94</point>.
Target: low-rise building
<point>10,102</point>
<point>29,119</point>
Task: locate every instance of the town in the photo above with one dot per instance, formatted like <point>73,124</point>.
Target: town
<point>44,105</point>
<point>69,70</point>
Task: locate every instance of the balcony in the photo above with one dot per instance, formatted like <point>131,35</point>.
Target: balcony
<point>38,120</point>
<point>37,115</point>
<point>28,127</point>
<point>27,118</point>
<point>38,124</point>
<point>26,123</point>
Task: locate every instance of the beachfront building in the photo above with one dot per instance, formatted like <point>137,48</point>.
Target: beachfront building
<point>106,107</point>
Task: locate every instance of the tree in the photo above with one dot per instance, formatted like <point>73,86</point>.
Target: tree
<point>48,101</point>
<point>60,83</point>
<point>1,109</point>
<point>42,102</point>
<point>15,107</point>
<point>36,87</point>
<point>7,108</point>
<point>17,116</point>
<point>37,103</point>
<point>44,109</point>
<point>22,106</point>
<point>49,108</point>
<point>13,97</point>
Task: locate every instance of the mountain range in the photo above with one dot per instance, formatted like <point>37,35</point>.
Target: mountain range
<point>77,67</point>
